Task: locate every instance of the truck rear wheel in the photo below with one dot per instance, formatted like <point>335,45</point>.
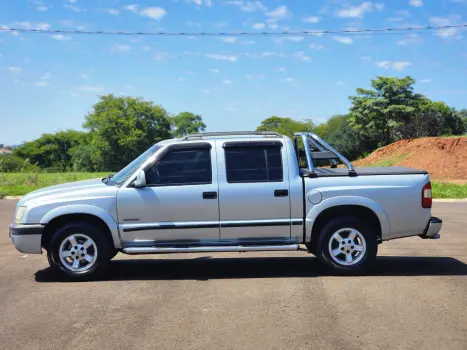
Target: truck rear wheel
<point>347,245</point>
<point>79,250</point>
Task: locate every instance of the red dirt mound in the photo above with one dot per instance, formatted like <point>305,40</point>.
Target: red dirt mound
<point>445,158</point>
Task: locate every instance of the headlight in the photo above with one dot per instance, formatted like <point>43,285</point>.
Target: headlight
<point>20,213</point>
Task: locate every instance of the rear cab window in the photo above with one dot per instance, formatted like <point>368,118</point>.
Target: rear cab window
<point>253,162</point>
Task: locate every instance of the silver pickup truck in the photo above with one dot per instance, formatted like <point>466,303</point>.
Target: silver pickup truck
<point>228,192</point>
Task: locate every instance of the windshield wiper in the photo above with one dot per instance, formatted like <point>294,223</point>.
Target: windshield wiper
<point>107,178</point>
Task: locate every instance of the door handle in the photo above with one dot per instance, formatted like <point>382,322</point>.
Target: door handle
<point>209,195</point>
<point>281,193</point>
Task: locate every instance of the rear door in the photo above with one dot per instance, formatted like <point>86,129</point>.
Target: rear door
<point>254,204</point>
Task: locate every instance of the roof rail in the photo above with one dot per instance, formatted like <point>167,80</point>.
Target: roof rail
<point>232,133</point>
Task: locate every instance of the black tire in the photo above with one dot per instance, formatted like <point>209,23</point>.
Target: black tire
<point>369,256</point>
<point>113,254</point>
<point>103,246</point>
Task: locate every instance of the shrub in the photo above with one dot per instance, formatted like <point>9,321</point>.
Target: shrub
<point>10,164</point>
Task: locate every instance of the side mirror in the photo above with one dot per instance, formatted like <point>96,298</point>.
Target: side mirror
<point>140,180</point>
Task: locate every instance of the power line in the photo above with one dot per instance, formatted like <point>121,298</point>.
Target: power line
<point>207,34</point>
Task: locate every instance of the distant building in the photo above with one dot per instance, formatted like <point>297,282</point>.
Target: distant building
<point>5,151</point>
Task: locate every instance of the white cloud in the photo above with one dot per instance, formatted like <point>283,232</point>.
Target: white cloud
<point>146,48</point>
<point>343,39</point>
<point>311,19</point>
<point>410,39</point>
<point>205,91</point>
<point>279,13</point>
<point>161,56</point>
<point>41,83</point>
<point>91,88</point>
<point>316,46</point>
<point>32,25</point>
<point>425,81</point>
<point>445,21</point>
<point>180,79</point>
<point>15,70</point>
<point>74,8</point>
<point>84,76</point>
<point>282,69</point>
<point>301,55</point>
<point>207,3</point>
<point>294,39</point>
<point>416,3</point>
<point>259,26</point>
<point>247,6</point>
<point>379,6</point>
<point>132,8</point>
<point>230,109</point>
<point>227,82</point>
<point>252,6</point>
<point>214,70</point>
<point>393,65</point>
<point>121,48</point>
<point>61,37</point>
<point>229,39</point>
<point>255,76</point>
<point>112,12</point>
<point>340,83</point>
<point>153,12</point>
<point>355,11</point>
<point>273,25</point>
<point>42,8</point>
<point>222,57</point>
<point>289,80</point>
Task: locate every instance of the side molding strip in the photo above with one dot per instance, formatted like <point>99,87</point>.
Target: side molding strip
<point>204,224</point>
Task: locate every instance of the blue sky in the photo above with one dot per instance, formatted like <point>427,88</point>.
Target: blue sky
<point>49,82</point>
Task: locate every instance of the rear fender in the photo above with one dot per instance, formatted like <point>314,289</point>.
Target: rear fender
<point>347,200</point>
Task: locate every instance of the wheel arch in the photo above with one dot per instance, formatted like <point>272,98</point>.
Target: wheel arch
<point>362,208</point>
<point>90,214</point>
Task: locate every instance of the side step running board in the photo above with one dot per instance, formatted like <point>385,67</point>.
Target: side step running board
<point>159,250</point>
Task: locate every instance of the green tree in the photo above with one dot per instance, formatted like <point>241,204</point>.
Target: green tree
<point>121,128</point>
<point>186,123</point>
<point>382,113</point>
<point>285,126</point>
<point>51,150</point>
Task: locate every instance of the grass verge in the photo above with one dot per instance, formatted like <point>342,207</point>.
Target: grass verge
<point>18,184</point>
<point>448,190</point>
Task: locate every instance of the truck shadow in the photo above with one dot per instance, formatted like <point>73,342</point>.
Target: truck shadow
<point>207,268</point>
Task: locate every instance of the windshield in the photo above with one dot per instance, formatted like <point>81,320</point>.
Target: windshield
<point>126,172</point>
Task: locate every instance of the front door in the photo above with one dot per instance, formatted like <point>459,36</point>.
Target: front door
<point>178,205</point>
<point>254,201</point>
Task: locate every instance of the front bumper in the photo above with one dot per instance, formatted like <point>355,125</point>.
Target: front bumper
<point>27,238</point>
<point>432,229</point>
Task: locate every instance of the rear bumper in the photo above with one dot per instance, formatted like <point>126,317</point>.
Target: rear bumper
<point>432,229</point>
<point>27,238</point>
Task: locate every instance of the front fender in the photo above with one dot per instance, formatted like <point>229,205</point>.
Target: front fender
<point>86,209</point>
<point>347,200</point>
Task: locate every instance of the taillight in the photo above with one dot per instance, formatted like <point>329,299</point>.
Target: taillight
<point>427,196</point>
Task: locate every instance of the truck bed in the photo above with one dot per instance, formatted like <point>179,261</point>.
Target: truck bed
<point>337,172</point>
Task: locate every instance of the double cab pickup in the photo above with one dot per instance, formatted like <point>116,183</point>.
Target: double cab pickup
<point>228,192</point>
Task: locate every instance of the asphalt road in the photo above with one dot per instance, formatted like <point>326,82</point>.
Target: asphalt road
<point>415,299</point>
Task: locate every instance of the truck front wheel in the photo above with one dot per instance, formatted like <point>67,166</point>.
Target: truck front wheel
<point>347,245</point>
<point>79,250</point>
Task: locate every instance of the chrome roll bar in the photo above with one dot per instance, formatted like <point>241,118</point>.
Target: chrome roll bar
<point>319,143</point>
